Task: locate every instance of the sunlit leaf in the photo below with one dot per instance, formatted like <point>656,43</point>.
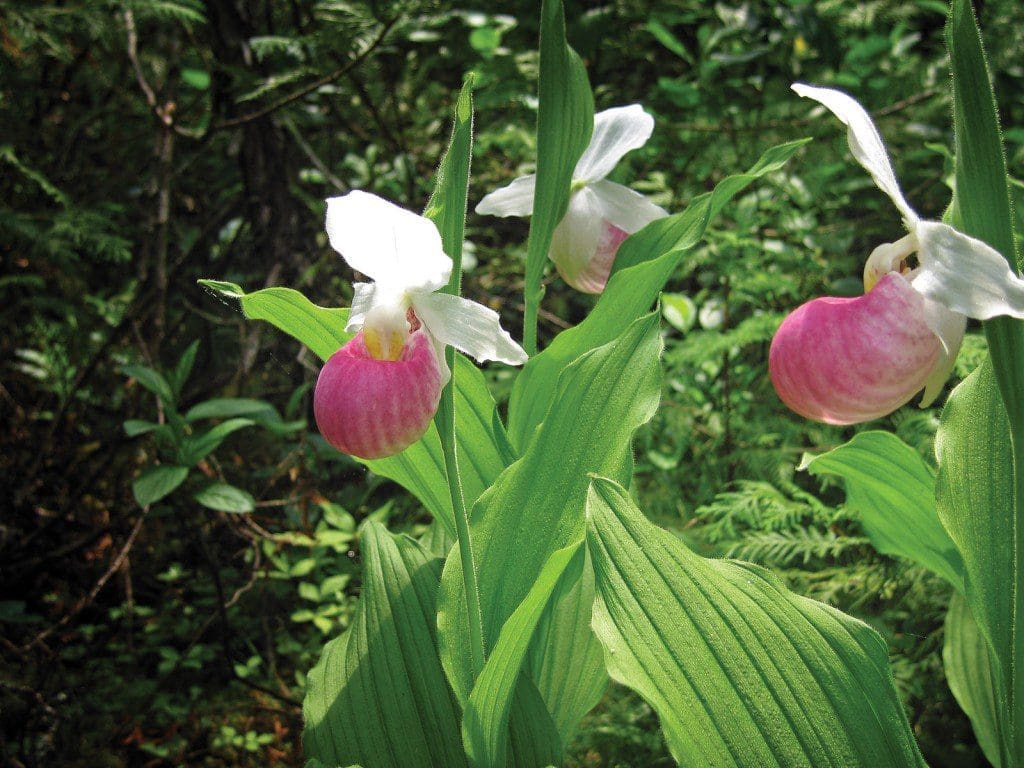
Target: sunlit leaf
<point>741,671</point>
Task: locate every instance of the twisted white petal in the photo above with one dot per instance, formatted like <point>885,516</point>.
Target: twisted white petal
<point>616,131</point>
<point>363,295</point>
<point>965,274</point>
<point>515,199</point>
<point>469,327</point>
<point>389,244</point>
<point>865,141</point>
<point>949,327</point>
<point>576,237</point>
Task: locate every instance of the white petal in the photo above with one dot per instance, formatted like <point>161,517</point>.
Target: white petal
<point>393,246</point>
<point>469,327</point>
<point>965,275</point>
<point>616,132</point>
<point>626,209</point>
<point>865,141</point>
<point>576,237</point>
<point>949,327</point>
<point>362,302</point>
<point>516,199</point>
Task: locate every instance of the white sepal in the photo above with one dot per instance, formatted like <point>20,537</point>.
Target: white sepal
<point>469,327</point>
<point>865,141</point>
<point>626,209</point>
<point>965,274</point>
<point>515,199</point>
<point>389,244</point>
<point>616,132</point>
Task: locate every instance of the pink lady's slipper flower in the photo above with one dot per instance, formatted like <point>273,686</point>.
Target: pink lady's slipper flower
<point>601,213</point>
<point>378,393</point>
<point>844,361</point>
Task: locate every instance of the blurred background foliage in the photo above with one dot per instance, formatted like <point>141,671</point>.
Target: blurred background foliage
<point>161,617</point>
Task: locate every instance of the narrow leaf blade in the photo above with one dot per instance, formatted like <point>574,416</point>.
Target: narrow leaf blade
<point>965,656</point>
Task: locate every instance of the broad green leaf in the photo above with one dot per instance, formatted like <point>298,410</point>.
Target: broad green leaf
<point>230,407</point>
<point>536,506</point>
<point>892,491</point>
<point>565,121</point>
<point>644,263</point>
<point>151,380</point>
<point>156,483</point>
<point>481,444</point>
<point>226,498</point>
<point>974,494</point>
<point>322,329</point>
<point>378,695</point>
<point>965,656</point>
<point>485,724</point>
<point>198,447</point>
<point>741,671</point>
<point>566,659</point>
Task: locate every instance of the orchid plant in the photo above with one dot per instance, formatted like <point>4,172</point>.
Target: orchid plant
<point>844,361</point>
<point>486,642</point>
<point>601,214</point>
<point>378,394</point>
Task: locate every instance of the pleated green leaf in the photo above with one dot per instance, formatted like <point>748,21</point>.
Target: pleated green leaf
<point>566,660</point>
<point>644,263</point>
<point>974,493</point>
<point>741,671</point>
<point>322,329</point>
<point>892,491</point>
<point>966,659</point>
<point>378,696</point>
<point>536,506</point>
<point>485,725</point>
<point>565,121</point>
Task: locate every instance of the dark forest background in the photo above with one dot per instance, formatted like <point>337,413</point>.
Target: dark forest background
<point>159,617</point>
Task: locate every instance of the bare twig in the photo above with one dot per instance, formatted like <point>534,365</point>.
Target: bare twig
<point>98,586</point>
<point>314,158</point>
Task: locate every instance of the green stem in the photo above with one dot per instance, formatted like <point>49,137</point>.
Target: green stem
<point>446,424</point>
<point>531,302</point>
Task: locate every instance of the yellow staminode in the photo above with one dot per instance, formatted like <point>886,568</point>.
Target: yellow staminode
<point>383,346</point>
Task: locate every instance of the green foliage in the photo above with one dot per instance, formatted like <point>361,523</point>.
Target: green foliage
<point>109,214</point>
<point>740,671</point>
